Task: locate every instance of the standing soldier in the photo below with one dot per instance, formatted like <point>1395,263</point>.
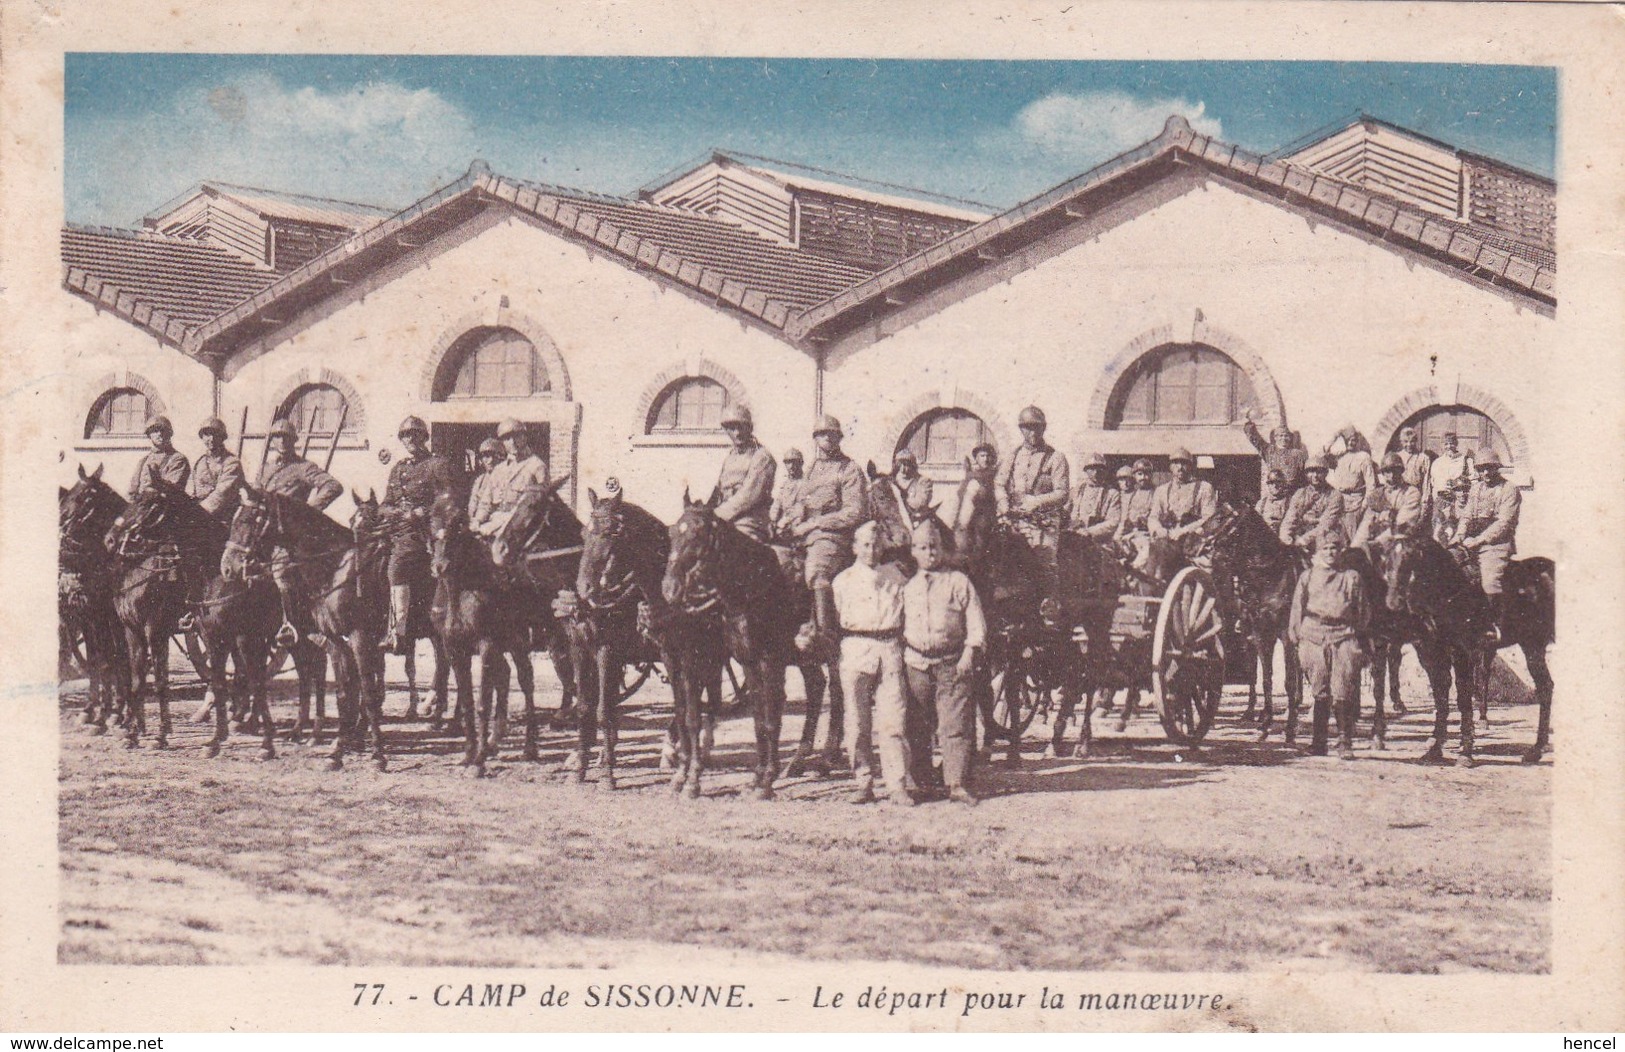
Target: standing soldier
<point>1330,615</point>
<point>1097,507</point>
<point>918,491</point>
<point>836,504</point>
<point>944,633</point>
<point>1272,505</point>
<point>415,482</point>
<point>1394,508</point>
<point>1314,507</point>
<point>1489,528</point>
<point>217,474</point>
<point>290,475</point>
<point>1354,475</point>
<point>746,479</point>
<point>788,507</point>
<point>482,496</point>
<point>1450,465</point>
<point>1032,491</point>
<point>1418,465</point>
<point>163,462</point>
<point>1280,453</point>
<point>1183,507</point>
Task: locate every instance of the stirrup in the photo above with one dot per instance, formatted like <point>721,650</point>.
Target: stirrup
<point>188,622</point>
<point>287,636</point>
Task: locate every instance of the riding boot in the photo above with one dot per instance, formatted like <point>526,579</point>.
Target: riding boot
<point>400,611</point>
<point>1498,613</point>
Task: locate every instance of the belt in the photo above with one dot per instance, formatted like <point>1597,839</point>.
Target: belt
<point>1328,621</point>
<point>939,653</point>
<point>1360,490</point>
<point>890,633</point>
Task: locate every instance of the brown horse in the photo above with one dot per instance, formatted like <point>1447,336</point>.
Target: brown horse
<point>537,553</point>
<point>164,546</point>
<point>1459,633</point>
<point>714,567</point>
<point>85,589</point>
<point>1255,575</point>
<point>475,614</point>
<point>318,561</point>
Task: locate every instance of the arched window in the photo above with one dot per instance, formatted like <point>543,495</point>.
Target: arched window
<point>694,403</point>
<point>1182,386</point>
<point>492,362</point>
<point>941,439</point>
<point>316,409</point>
<point>120,413</point>
<point>1474,431</point>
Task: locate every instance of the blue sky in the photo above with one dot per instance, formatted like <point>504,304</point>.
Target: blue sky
<point>141,128</point>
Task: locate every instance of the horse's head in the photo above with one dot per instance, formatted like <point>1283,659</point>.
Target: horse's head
<point>603,578</point>
<point>252,534</point>
<point>448,525</point>
<point>1401,560</point>
<point>87,510</point>
<point>541,521</point>
<point>692,567</point>
<point>367,527</point>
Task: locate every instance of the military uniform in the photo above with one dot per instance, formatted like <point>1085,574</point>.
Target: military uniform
<point>482,497</point>
<point>1391,511</point>
<point>1182,511</point>
<point>746,484</point>
<point>1418,472</point>
<point>1136,513</point>
<point>1330,614</point>
<point>168,465</point>
<point>1311,510</point>
<point>216,480</point>
<point>1354,477</point>
<point>918,495</point>
<point>414,483</point>
<point>1096,511</point>
<point>1289,461</point>
<point>1032,487</point>
<point>1489,527</point>
<point>1272,509</point>
<point>299,479</point>
<point>836,503</point>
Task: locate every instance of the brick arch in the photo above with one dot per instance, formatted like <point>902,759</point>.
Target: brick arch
<point>104,385</point>
<point>1271,408</point>
<point>497,317</point>
<point>684,371</point>
<point>917,407</point>
<point>1471,396</point>
<point>356,418</point>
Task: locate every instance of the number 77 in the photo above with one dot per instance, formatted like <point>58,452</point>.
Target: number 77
<point>362,988</point>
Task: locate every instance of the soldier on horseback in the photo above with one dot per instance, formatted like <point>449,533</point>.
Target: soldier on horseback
<point>1032,491</point>
<point>1183,508</point>
<point>836,502</point>
<point>217,475</point>
<point>1314,507</point>
<point>287,473</point>
<point>1271,507</point>
<point>918,491</point>
<point>1393,509</point>
<point>1097,506</point>
<point>1488,529</point>
<point>482,497</point>
<point>787,508</point>
<point>415,482</point>
<point>746,478</point>
<point>163,463</point>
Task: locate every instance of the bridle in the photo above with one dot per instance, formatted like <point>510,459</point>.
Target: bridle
<point>694,594</point>
<point>245,560</point>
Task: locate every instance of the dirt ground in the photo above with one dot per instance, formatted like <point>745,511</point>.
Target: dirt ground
<point>1144,857</point>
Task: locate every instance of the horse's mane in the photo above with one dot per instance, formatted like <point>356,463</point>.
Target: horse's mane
<point>183,515</point>
<point>310,521</point>
<point>534,497</point>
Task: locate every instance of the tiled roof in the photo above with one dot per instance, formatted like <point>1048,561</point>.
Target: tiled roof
<point>169,285</point>
<point>1466,253</point>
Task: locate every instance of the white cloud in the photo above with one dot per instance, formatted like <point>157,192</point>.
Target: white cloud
<point>1096,125</point>
<point>379,142</point>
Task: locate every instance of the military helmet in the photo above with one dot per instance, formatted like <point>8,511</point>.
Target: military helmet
<point>1277,477</point>
<point>1487,458</point>
<point>510,426</point>
<point>1393,462</point>
<point>412,425</point>
<point>1094,460</point>
<point>283,427</point>
<point>827,423</point>
<point>1181,453</point>
<point>159,423</point>
<point>1319,462</point>
<point>213,426</point>
<point>1032,416</point>
<point>1143,464</point>
<point>492,445</point>
<point>793,454</point>
<point>906,454</point>
<point>737,416</point>
<point>1333,533</point>
<point>1125,472</point>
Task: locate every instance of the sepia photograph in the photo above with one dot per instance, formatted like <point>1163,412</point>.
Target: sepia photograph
<point>715,515</point>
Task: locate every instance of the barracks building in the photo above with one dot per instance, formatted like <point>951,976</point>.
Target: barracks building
<point>1372,277</point>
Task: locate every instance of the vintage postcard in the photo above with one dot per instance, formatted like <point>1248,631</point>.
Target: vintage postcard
<point>1083,517</point>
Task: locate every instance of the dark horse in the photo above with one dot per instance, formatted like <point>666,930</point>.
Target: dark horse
<point>85,588</point>
<point>1255,575</point>
<point>1459,634</point>
<point>165,547</point>
<point>714,567</point>
<point>476,613</point>
<point>537,552</point>
<point>323,574</point>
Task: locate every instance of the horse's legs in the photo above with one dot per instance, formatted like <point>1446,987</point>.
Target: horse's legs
<point>216,659</point>
<point>1258,659</point>
<point>460,661</point>
<point>1534,656</point>
<point>1396,651</point>
<point>812,677</point>
<point>1063,712</point>
<point>253,655</point>
<point>411,682</point>
<point>1435,662</point>
<point>526,675</point>
<point>1264,647</point>
<point>585,664</point>
<point>137,719</point>
<point>1379,691</point>
<point>835,733</point>
<point>1472,674</point>
<point>609,678</point>
<point>775,717</point>
<point>346,688</point>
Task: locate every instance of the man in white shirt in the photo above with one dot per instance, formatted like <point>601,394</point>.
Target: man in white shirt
<point>869,604</point>
<point>944,634</point>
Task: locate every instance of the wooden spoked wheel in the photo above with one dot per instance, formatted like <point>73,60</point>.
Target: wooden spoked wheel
<point>634,676</point>
<point>1187,657</point>
<point>1020,687</point>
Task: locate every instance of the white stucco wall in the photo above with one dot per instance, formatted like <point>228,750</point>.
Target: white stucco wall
<point>1345,328</point>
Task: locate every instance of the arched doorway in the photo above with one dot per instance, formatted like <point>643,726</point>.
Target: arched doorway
<point>486,368</point>
<point>941,440</point>
<point>1191,395</point>
<point>1474,431</point>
